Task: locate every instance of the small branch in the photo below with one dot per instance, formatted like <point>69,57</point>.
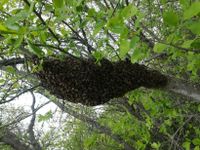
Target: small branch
<point>32,138</point>
<point>169,44</point>
<point>20,118</point>
<point>89,47</point>
<point>106,4</point>
<point>157,56</point>
<point>11,62</point>
<point>43,22</point>
<point>82,40</point>
<point>127,2</point>
<point>114,10</point>
<point>173,136</point>
<point>3,101</point>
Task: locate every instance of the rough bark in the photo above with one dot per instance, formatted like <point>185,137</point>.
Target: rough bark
<point>184,88</point>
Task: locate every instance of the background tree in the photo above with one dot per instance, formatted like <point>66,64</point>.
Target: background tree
<point>161,34</point>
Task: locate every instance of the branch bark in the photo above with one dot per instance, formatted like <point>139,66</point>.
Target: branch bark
<point>34,142</point>
<point>183,88</point>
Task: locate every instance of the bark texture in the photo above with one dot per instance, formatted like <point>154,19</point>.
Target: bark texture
<point>184,88</point>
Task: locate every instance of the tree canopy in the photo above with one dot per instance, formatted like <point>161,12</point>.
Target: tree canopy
<point>117,50</point>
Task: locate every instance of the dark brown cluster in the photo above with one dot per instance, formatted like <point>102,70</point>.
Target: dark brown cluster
<point>84,81</point>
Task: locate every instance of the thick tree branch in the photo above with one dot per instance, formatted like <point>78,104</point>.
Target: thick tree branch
<point>183,88</point>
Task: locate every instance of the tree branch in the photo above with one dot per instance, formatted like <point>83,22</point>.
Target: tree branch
<point>169,44</point>
<point>183,88</point>
<point>3,101</point>
<point>43,22</point>
<point>11,62</point>
<point>14,141</point>
<point>32,138</point>
<point>20,118</point>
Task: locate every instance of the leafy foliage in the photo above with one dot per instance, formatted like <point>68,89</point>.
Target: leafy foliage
<point>161,34</point>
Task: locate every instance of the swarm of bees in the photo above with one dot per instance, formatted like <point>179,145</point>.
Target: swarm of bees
<point>90,83</point>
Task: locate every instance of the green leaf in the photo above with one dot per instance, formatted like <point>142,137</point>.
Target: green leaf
<point>10,69</point>
<point>196,43</point>
<point>195,27</point>
<point>155,145</point>
<point>196,148</point>
<point>5,30</point>
<point>186,145</point>
<point>2,28</point>
<point>2,3</point>
<point>196,141</point>
<point>98,55</point>
<point>129,11</point>
<point>99,25</point>
<point>199,108</point>
<point>2,80</point>
<point>187,44</point>
<point>18,41</point>
<point>116,25</point>
<point>43,36</point>
<point>12,22</point>
<point>45,117</point>
<point>134,41</point>
<point>31,8</point>
<point>137,55</point>
<point>90,141</point>
<point>58,3</point>
<point>185,3</point>
<point>159,47</point>
<point>36,50</point>
<point>193,10</point>
<point>139,51</point>
<point>171,18</point>
<point>91,12</point>
<point>124,47</point>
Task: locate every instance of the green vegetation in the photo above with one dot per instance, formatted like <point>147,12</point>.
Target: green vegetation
<point>161,34</point>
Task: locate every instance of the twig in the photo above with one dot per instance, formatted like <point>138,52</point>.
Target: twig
<point>169,44</point>
<point>43,22</point>
<point>11,99</point>
<point>17,120</point>
<point>12,61</point>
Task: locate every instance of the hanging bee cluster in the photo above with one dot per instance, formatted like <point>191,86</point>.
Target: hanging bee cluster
<point>84,81</point>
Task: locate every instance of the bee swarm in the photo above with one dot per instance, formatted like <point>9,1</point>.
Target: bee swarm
<point>84,81</point>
